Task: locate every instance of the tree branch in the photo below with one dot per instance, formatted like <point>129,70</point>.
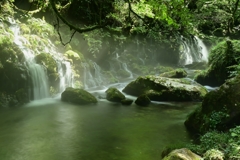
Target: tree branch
<point>72,27</point>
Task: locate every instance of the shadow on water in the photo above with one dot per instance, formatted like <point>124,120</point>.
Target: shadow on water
<point>52,130</point>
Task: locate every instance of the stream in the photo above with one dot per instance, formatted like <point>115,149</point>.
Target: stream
<point>49,129</point>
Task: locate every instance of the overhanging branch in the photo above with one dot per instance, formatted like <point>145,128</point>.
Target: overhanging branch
<point>72,27</point>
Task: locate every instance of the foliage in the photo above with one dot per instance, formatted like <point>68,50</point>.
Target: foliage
<point>217,17</point>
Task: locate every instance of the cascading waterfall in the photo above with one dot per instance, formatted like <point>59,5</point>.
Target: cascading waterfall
<point>192,50</point>
<point>37,72</point>
<point>88,78</point>
<point>123,66</point>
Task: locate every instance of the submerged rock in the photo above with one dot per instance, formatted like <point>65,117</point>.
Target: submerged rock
<point>220,109</point>
<point>114,95</point>
<point>77,96</point>
<point>143,100</point>
<point>182,154</point>
<point>127,102</point>
<point>166,89</point>
<point>177,73</point>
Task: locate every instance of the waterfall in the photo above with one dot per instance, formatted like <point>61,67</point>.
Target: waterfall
<point>40,82</point>
<point>123,66</point>
<point>37,72</point>
<point>203,48</point>
<point>88,77</point>
<point>98,76</point>
<point>192,50</point>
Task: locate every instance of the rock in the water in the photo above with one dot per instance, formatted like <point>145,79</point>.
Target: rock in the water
<point>77,96</point>
<point>182,154</point>
<point>143,100</point>
<point>177,73</point>
<point>114,95</point>
<point>166,89</point>
<point>220,109</point>
<point>127,102</point>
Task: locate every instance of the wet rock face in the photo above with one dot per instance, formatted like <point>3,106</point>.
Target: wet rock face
<point>77,96</point>
<point>165,89</point>
<point>220,109</point>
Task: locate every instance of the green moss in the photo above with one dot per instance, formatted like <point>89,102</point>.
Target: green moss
<point>114,95</point>
<point>74,56</point>
<point>48,61</point>
<point>178,73</point>
<point>77,96</point>
<point>221,57</point>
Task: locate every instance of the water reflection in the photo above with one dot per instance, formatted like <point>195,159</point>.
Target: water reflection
<point>52,130</point>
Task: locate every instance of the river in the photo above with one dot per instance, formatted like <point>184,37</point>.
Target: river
<point>49,129</point>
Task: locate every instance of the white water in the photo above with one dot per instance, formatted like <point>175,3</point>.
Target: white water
<point>40,88</point>
<point>192,50</point>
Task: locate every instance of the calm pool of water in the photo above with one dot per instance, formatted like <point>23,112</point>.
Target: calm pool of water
<point>52,130</point>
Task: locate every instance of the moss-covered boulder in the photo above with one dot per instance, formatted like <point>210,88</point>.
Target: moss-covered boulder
<point>166,89</point>
<point>182,154</point>
<point>177,73</point>
<point>220,109</point>
<point>221,57</point>
<point>77,96</point>
<point>143,100</point>
<point>114,95</point>
<point>126,101</point>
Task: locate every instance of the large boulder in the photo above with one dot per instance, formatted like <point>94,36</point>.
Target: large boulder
<point>220,109</point>
<point>224,55</point>
<point>114,95</point>
<point>177,73</point>
<point>77,96</point>
<point>182,154</point>
<point>165,89</point>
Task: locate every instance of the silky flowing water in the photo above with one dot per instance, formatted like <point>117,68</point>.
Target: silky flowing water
<point>49,129</point>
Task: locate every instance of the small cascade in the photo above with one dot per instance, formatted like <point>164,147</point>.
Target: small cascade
<point>88,78</point>
<point>123,66</point>
<point>40,82</point>
<point>192,50</point>
<point>66,77</point>
<point>98,76</point>
<point>126,69</point>
<point>203,49</point>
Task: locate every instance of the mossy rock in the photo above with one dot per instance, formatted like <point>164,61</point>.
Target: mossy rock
<point>114,95</point>
<point>22,96</point>
<point>220,109</point>
<point>74,56</point>
<point>126,102</point>
<point>9,52</point>
<point>13,76</point>
<point>177,73</point>
<point>221,57</point>
<point>182,154</point>
<point>166,89</point>
<point>47,61</point>
<point>143,100</point>
<point>77,96</point>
